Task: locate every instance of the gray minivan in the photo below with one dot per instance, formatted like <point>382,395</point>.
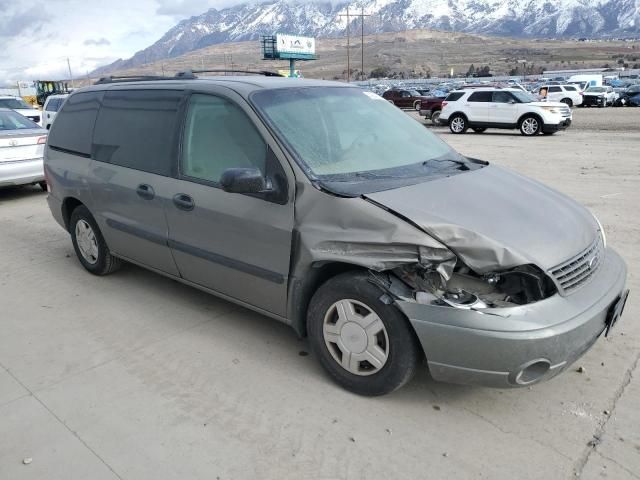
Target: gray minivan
<point>325,207</point>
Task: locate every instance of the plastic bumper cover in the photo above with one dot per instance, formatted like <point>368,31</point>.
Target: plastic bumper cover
<point>495,348</point>
<point>21,172</point>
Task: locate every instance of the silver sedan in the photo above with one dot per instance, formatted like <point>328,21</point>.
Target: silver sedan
<point>21,148</point>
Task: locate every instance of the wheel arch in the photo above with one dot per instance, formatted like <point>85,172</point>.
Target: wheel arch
<point>454,114</point>
<point>302,289</point>
<point>69,204</point>
<point>530,114</point>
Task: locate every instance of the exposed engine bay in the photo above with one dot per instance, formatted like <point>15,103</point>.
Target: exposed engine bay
<point>456,285</point>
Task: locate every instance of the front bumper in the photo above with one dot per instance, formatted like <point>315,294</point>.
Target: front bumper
<point>592,101</point>
<point>517,346</point>
<point>551,128</point>
<point>21,172</point>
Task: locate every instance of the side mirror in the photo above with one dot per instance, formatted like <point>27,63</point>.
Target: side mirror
<point>512,102</point>
<point>243,180</point>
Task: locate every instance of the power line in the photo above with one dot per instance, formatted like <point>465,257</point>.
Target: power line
<point>361,15</point>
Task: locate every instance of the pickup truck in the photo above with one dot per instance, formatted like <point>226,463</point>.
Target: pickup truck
<point>404,98</point>
<point>430,107</point>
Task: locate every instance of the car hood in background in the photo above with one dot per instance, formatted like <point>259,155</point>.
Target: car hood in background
<point>494,219</point>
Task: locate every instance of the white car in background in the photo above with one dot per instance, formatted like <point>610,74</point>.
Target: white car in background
<point>599,97</point>
<point>508,108</point>
<point>17,104</point>
<point>570,95</point>
<point>21,149</point>
<point>51,107</point>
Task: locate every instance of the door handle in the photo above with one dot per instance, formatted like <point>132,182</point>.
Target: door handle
<point>183,202</point>
<point>145,191</point>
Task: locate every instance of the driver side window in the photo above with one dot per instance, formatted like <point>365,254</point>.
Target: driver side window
<point>218,135</point>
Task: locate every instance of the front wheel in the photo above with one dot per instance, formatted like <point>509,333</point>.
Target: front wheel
<point>366,346</point>
<point>458,124</point>
<point>530,126</point>
<point>89,244</point>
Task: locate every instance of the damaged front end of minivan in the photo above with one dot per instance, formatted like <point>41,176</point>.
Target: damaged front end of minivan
<point>483,313</point>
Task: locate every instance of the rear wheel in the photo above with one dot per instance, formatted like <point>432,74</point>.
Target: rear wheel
<point>365,345</point>
<point>89,244</point>
<point>416,105</point>
<point>435,117</point>
<point>479,130</point>
<point>458,124</point>
<point>530,126</point>
<point>567,101</point>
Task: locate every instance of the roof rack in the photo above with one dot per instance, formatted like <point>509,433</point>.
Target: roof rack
<point>190,74</point>
<point>129,78</point>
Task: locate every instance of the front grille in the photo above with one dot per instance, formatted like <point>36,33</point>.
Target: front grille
<point>34,119</point>
<point>566,112</point>
<point>577,271</point>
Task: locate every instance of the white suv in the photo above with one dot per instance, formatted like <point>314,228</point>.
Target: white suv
<point>568,94</point>
<point>51,107</point>
<point>483,108</point>
<point>18,105</point>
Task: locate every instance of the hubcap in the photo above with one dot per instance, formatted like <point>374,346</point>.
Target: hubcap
<point>457,125</point>
<point>87,242</point>
<point>530,126</point>
<point>355,337</point>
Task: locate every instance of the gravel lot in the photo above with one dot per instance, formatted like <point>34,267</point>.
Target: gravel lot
<point>134,376</point>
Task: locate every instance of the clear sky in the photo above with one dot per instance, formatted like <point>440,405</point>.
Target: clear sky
<point>36,37</point>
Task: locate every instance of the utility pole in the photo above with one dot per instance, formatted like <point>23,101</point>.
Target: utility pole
<point>348,47</point>
<point>349,15</point>
<point>362,15</point>
<point>70,74</point>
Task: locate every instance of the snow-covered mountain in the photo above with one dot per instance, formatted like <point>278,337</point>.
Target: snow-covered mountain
<point>529,18</point>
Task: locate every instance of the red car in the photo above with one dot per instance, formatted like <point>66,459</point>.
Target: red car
<point>431,107</point>
<point>404,98</point>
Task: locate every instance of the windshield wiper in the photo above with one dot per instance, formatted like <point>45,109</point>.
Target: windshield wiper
<point>462,163</point>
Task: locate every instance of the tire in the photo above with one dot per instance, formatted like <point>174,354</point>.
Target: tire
<point>97,258</point>
<point>43,186</point>
<point>479,130</point>
<point>395,345</point>
<point>530,126</point>
<point>567,101</point>
<point>435,116</point>
<point>416,105</point>
<point>458,124</point>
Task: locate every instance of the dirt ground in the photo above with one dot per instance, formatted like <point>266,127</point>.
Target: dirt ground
<point>134,376</point>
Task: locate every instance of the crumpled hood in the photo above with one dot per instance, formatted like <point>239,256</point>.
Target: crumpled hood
<point>495,219</point>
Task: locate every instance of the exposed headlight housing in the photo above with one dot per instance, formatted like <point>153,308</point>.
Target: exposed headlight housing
<point>551,109</point>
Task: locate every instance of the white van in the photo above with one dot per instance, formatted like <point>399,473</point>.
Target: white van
<point>591,80</point>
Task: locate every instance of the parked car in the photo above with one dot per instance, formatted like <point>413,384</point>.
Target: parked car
<point>567,94</point>
<point>508,108</point>
<point>629,96</point>
<point>431,107</point>
<point>355,225</point>
<point>51,107</point>
<point>21,148</point>
<point>598,97</point>
<point>18,105</point>
<point>409,99</point>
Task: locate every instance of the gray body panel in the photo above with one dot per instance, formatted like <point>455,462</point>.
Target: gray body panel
<point>270,256</point>
<point>133,227</point>
<point>493,218</point>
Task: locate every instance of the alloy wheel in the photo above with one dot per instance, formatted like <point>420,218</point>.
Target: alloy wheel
<point>530,126</point>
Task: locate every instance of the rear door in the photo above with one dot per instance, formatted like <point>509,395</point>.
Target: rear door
<point>135,144</point>
<point>238,245</point>
<point>477,106</point>
<point>555,93</point>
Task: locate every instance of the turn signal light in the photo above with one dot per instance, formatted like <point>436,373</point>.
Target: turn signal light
<point>42,140</point>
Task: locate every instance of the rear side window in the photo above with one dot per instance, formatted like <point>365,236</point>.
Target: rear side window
<point>480,97</point>
<point>570,89</point>
<point>73,127</point>
<point>53,105</point>
<point>138,129</point>
<point>454,97</point>
<point>554,89</point>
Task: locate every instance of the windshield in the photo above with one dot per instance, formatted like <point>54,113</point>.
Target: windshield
<point>15,121</point>
<point>523,97</point>
<point>355,142</point>
<point>14,103</point>
<point>596,89</point>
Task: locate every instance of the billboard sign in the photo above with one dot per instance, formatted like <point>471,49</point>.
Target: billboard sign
<point>294,44</point>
